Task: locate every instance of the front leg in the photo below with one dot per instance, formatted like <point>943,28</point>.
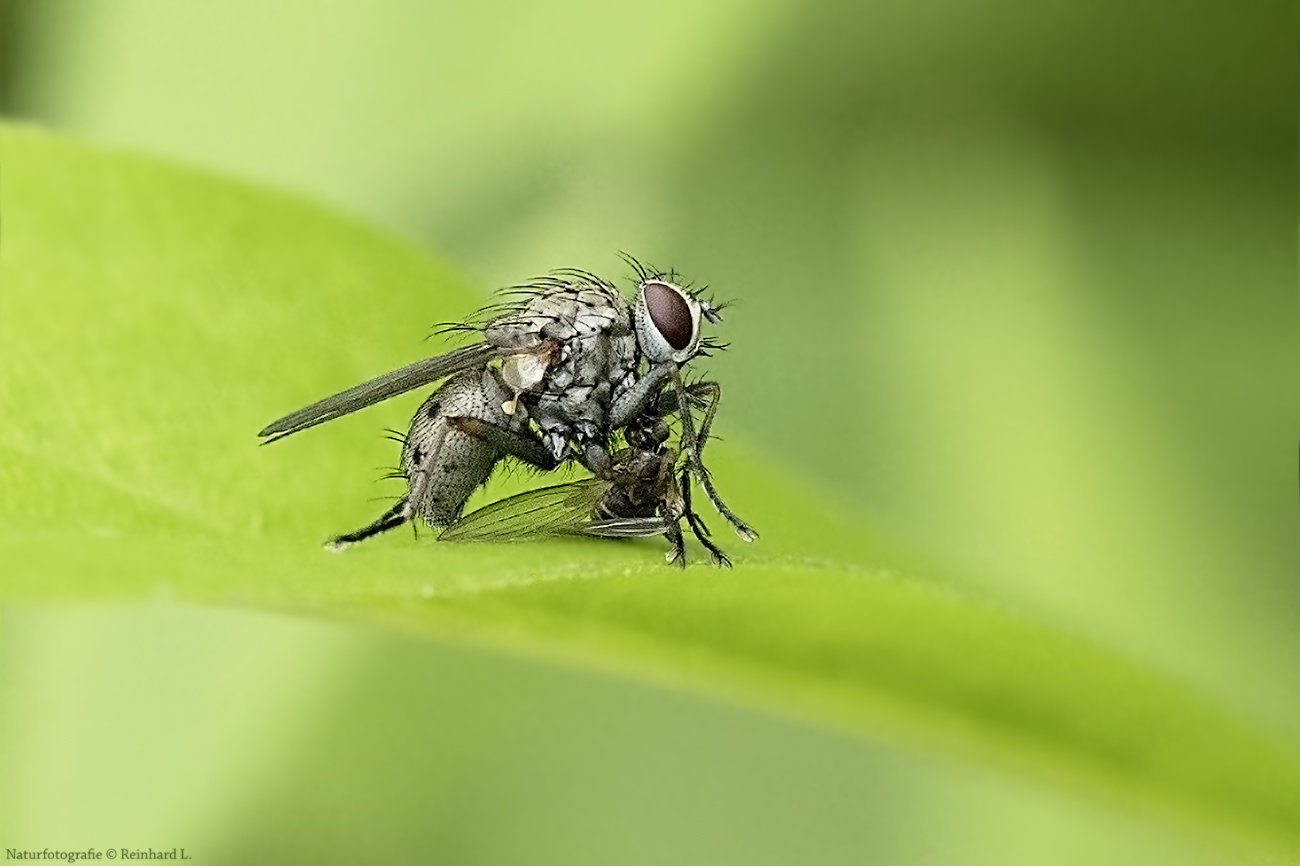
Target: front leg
<point>691,444</point>
<point>697,525</point>
<point>640,396</point>
<point>706,394</point>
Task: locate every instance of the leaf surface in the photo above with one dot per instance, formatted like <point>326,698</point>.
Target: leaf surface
<point>153,318</point>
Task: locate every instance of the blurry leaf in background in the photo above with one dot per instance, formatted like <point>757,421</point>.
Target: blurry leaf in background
<point>152,317</point>
<point>256,738</point>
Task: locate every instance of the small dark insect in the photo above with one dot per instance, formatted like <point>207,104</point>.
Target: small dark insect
<point>567,358</point>
<point>640,495</point>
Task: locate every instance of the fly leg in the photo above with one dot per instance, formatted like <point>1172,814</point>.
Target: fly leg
<point>701,394</point>
<point>677,555</point>
<point>627,407</point>
<point>706,394</point>
<point>712,393</point>
<point>697,525</point>
<point>641,395</point>
<point>692,445</point>
<point>527,448</point>
<point>402,511</point>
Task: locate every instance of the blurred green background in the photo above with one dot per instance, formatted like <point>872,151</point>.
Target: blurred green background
<point>1018,290</point>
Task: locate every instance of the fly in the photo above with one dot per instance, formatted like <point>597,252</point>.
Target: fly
<point>566,359</point>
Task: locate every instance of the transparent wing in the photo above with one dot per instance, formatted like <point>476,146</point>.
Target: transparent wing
<point>625,527</point>
<point>563,509</point>
<point>380,388</point>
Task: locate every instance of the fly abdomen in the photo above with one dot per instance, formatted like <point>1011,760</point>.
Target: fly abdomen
<point>443,465</point>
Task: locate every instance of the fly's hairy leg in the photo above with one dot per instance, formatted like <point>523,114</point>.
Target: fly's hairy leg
<point>677,555</point>
<point>697,525</point>
<point>640,396</point>
<point>702,394</point>
<point>402,510</point>
<point>711,394</point>
<point>526,448</point>
<point>708,395</point>
<point>648,396</point>
<point>691,444</point>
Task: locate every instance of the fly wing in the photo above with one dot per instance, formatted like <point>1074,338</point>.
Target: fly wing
<point>380,388</point>
<point>626,527</point>
<point>562,509</point>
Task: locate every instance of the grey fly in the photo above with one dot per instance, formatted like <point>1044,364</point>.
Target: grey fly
<point>570,355</point>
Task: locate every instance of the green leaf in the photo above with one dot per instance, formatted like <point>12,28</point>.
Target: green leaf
<point>153,318</point>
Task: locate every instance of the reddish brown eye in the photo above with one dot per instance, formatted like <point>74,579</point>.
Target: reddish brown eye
<point>670,314</point>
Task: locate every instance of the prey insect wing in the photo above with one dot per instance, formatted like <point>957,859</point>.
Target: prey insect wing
<point>562,509</point>
<point>626,527</point>
<point>379,389</point>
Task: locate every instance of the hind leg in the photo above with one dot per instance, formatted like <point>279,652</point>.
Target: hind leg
<point>402,511</point>
<point>521,445</point>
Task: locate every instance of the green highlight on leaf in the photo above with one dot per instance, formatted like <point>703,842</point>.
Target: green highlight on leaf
<point>153,318</point>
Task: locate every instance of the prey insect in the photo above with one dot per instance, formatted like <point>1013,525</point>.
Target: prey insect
<point>643,493</point>
<point>559,372</point>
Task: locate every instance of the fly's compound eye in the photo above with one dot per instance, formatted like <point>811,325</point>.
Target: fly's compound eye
<point>667,322</point>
